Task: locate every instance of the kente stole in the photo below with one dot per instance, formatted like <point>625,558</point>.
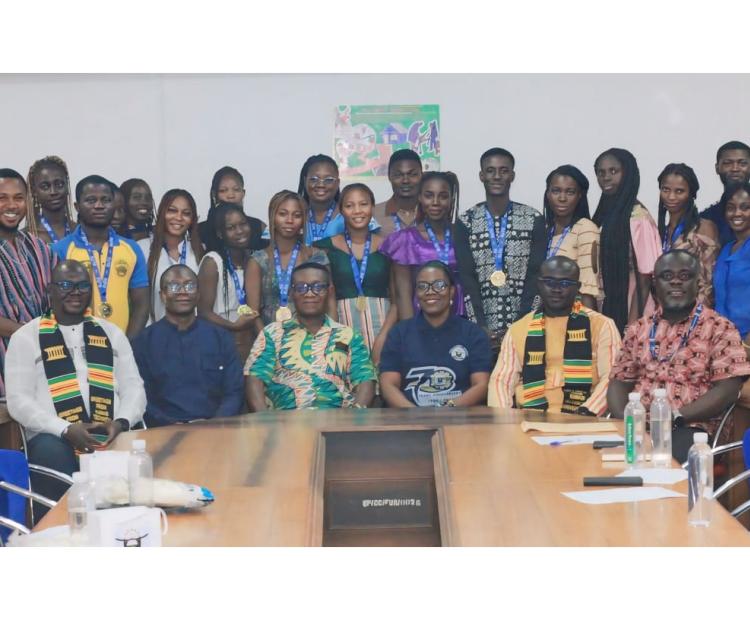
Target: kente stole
<point>61,373</point>
<point>577,363</point>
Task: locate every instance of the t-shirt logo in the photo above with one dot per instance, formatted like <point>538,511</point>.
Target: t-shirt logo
<point>459,353</point>
<point>432,386</point>
<point>121,268</point>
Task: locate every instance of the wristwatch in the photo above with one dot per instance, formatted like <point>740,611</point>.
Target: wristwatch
<point>124,425</point>
<point>449,403</point>
<point>585,411</point>
<point>678,420</point>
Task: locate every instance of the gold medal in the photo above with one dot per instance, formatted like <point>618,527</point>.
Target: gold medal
<point>245,310</point>
<point>283,314</point>
<point>361,303</point>
<point>498,278</point>
<point>105,310</point>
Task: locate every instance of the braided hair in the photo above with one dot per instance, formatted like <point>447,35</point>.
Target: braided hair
<point>222,210</point>
<point>690,217</point>
<point>33,207</point>
<point>613,217</point>
<point>582,208</point>
<point>452,180</point>
<point>127,188</point>
<point>309,163</point>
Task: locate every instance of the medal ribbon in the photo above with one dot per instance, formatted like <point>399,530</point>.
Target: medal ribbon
<point>183,252</point>
<point>285,278</point>
<point>359,272</point>
<point>101,282</point>
<point>564,234</point>
<point>443,251</point>
<point>683,340</point>
<point>498,245</point>
<point>240,288</point>
<point>53,237</point>
<point>396,222</point>
<point>317,231</point>
<point>666,244</point>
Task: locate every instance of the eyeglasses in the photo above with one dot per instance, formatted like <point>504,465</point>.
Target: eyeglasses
<point>327,181</point>
<point>438,286</point>
<point>558,284</point>
<point>682,276</point>
<point>66,286</point>
<point>317,288</point>
<point>177,287</point>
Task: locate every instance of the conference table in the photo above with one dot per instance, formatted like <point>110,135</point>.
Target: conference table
<point>420,476</point>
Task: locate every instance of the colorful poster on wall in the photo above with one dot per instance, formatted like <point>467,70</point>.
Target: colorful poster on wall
<point>365,136</point>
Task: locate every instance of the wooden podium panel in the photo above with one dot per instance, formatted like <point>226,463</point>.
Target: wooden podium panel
<point>274,476</point>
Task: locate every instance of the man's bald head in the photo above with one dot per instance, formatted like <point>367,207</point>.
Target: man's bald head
<point>67,267</point>
<point>560,267</point>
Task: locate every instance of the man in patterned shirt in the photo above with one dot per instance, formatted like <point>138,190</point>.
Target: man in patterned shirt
<point>684,347</point>
<point>311,361</point>
<point>500,245</point>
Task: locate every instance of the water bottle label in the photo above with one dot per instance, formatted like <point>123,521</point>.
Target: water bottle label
<point>630,439</point>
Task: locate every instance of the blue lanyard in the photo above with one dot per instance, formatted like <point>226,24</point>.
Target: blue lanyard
<point>318,231</point>
<point>444,251</point>
<point>101,282</point>
<point>285,278</point>
<point>666,244</point>
<point>53,237</point>
<point>239,287</point>
<point>498,245</point>
<point>183,252</point>
<point>396,222</point>
<point>564,234</point>
<point>359,273</point>
<point>683,340</point>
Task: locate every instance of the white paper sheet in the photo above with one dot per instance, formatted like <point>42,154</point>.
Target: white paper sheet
<point>569,427</point>
<point>657,475</point>
<point>622,494</point>
<point>571,440</point>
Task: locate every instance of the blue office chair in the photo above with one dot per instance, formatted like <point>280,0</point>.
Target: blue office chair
<point>744,445</point>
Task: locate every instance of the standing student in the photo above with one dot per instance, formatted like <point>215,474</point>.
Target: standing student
<point>570,232</point>
<point>228,186</point>
<point>50,215</point>
<point>319,187</point>
<point>432,238</point>
<point>175,242</point>
<point>268,275</point>
<point>732,166</point>
<point>630,241</point>
<point>25,265</point>
<point>118,218</point>
<point>678,187</point>
<point>139,209</point>
<point>116,263</point>
<point>500,244</point>
<point>400,210</point>
<point>221,277</point>
<point>360,271</point>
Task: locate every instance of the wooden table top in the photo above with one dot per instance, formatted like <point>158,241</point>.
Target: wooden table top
<point>499,487</point>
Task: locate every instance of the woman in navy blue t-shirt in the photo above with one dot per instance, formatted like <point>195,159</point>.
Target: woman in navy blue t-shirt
<point>436,359</point>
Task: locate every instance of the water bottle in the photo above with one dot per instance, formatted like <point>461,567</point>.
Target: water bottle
<point>661,430</point>
<point>140,475</point>
<point>81,501</point>
<point>635,421</point>
<point>700,481</point>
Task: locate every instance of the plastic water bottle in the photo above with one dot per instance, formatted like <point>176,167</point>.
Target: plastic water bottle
<point>81,501</point>
<point>140,475</point>
<point>700,481</point>
<point>635,422</point>
<point>661,430</point>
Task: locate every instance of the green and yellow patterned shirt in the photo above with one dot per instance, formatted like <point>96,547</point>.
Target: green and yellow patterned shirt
<point>301,370</point>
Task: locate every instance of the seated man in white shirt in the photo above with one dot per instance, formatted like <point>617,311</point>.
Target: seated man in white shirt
<point>69,376</point>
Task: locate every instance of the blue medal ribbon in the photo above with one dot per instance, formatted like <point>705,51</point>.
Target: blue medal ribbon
<point>183,252</point>
<point>683,340</point>
<point>359,272</point>
<point>551,235</point>
<point>318,231</point>
<point>239,287</point>
<point>498,244</point>
<point>666,243</point>
<point>396,222</point>
<point>285,278</point>
<point>443,251</point>
<point>53,237</point>
<point>101,282</point>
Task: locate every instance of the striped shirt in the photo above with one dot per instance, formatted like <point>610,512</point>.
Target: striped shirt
<point>505,381</point>
<point>578,245</point>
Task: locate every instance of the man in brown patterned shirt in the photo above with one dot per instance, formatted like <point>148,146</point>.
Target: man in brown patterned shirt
<point>689,349</point>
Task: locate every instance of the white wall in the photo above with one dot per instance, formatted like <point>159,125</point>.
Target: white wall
<point>176,130</point>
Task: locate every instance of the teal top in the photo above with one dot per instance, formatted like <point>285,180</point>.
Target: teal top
<point>377,278</point>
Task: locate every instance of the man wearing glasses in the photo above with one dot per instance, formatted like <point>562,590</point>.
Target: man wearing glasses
<point>189,366</point>
<point>309,361</point>
<point>684,347</point>
<point>72,381</point>
<point>556,358</point>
